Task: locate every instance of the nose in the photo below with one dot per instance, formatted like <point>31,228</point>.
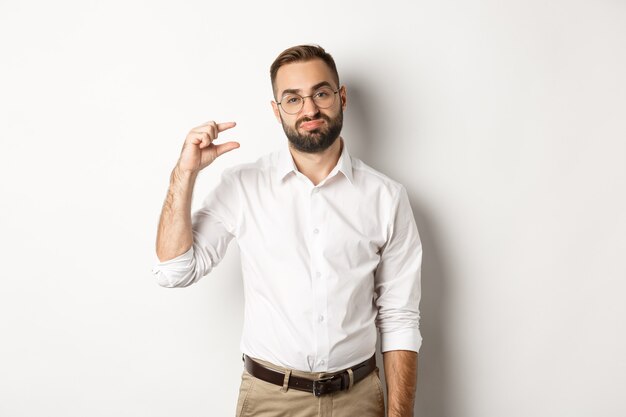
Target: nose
<point>309,108</point>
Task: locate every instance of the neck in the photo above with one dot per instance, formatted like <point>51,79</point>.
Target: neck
<point>317,166</point>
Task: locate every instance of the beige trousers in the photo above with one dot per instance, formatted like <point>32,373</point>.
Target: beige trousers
<point>258,398</point>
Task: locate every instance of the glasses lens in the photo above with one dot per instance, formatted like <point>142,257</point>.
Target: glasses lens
<point>324,97</point>
<point>291,103</point>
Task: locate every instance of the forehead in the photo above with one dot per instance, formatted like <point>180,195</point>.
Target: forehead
<point>303,75</point>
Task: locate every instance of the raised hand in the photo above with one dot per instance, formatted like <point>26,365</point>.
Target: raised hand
<point>199,151</point>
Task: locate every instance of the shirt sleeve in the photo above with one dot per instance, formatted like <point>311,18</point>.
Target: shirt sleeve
<point>213,227</point>
<point>398,281</point>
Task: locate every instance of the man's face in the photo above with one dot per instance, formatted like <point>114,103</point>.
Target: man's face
<point>312,129</point>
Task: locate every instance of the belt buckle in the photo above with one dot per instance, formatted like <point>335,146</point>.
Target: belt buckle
<point>320,385</point>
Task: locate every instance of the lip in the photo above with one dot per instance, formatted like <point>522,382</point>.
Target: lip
<point>311,125</point>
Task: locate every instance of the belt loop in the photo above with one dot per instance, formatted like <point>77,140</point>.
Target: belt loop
<point>286,380</point>
<point>351,375</point>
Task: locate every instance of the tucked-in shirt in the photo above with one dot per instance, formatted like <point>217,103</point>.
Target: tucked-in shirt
<point>323,265</point>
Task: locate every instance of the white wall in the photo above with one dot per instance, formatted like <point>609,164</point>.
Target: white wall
<point>504,119</point>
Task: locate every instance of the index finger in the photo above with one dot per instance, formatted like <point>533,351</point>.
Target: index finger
<point>225,126</point>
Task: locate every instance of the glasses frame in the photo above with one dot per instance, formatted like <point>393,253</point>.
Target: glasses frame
<point>279,103</point>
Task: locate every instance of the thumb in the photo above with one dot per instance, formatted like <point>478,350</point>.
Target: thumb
<point>222,148</point>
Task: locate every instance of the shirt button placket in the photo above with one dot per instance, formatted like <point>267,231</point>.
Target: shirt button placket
<point>319,285</point>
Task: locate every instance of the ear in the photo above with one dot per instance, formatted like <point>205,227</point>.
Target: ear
<point>276,111</point>
<point>343,94</point>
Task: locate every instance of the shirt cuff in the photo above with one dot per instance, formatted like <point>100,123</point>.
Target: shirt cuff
<point>403,339</point>
<point>172,272</point>
<point>158,265</point>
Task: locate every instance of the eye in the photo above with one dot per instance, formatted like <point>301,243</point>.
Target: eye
<point>322,94</point>
<point>291,99</point>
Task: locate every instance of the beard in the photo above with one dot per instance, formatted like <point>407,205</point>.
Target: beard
<point>316,140</point>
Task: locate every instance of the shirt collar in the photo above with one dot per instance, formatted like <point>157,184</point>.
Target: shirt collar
<point>286,163</point>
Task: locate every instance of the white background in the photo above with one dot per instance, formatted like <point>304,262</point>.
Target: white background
<point>505,120</point>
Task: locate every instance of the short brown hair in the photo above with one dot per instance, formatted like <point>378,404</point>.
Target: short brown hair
<point>302,53</point>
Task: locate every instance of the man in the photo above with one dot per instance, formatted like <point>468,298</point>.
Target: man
<point>329,250</point>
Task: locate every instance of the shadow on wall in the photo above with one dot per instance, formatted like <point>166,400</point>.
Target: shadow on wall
<point>433,389</point>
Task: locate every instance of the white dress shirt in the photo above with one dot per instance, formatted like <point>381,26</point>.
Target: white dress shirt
<point>323,266</point>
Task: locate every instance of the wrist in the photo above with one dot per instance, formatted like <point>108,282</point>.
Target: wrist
<point>183,174</point>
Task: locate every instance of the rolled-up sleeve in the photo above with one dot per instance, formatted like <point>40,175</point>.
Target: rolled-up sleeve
<point>213,227</point>
<point>398,280</point>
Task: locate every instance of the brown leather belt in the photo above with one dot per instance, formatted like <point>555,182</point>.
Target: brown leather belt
<point>333,383</point>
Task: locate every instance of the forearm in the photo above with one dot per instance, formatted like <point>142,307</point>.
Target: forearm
<point>174,235</point>
<point>401,378</point>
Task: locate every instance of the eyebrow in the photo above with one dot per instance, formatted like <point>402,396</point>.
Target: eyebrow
<point>315,87</point>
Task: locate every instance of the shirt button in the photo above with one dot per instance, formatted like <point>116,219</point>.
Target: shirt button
<point>321,318</point>
<point>322,362</point>
<point>316,230</point>
<point>318,274</point>
<point>315,190</point>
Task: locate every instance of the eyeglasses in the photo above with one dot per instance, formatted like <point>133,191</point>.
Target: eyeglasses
<point>323,98</point>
